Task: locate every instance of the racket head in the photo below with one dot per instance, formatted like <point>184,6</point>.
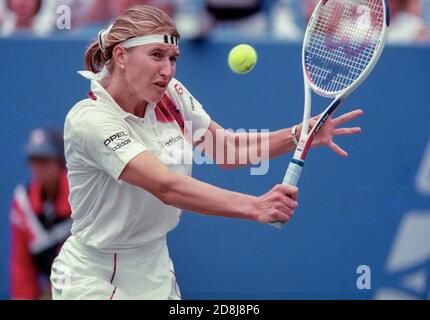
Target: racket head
<point>343,41</point>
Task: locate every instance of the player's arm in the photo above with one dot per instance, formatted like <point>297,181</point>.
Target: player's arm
<point>181,191</point>
<point>232,150</point>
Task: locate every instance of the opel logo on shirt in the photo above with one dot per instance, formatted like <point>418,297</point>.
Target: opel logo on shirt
<point>115,136</point>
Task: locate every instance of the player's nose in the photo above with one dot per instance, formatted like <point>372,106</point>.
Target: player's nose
<point>166,69</point>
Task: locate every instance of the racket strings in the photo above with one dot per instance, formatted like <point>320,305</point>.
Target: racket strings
<point>343,40</point>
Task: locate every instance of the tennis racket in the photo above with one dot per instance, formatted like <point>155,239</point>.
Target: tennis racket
<point>343,42</point>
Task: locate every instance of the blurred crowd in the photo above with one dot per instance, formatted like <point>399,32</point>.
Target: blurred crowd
<point>197,19</point>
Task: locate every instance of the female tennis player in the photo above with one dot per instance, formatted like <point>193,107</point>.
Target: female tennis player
<point>126,148</point>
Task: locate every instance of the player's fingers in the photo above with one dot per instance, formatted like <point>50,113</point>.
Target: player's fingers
<point>333,146</point>
<point>347,117</point>
<point>288,204</point>
<point>279,216</point>
<point>289,191</point>
<point>281,213</point>
<point>292,206</point>
<point>346,131</point>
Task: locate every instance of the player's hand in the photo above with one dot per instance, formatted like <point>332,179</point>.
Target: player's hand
<point>277,205</point>
<point>331,129</point>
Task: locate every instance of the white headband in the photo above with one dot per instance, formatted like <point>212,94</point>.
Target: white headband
<point>152,38</point>
<point>138,41</point>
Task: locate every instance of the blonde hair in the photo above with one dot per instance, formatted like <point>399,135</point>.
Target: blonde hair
<point>135,22</point>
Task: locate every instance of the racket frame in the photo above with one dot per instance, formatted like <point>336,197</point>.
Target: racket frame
<point>296,164</point>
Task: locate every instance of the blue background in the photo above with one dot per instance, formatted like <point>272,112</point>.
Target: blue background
<point>349,209</point>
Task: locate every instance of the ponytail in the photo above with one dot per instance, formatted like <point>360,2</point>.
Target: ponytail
<point>94,59</point>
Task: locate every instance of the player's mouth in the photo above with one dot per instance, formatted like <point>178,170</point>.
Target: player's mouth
<point>161,84</point>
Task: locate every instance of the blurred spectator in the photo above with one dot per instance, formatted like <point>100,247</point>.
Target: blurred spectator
<point>78,12</point>
<point>288,21</point>
<point>277,19</point>
<point>40,217</point>
<point>309,6</point>
<point>427,12</point>
<point>191,19</point>
<point>2,13</point>
<point>38,17</point>
<point>245,18</point>
<point>102,12</point>
<point>407,22</point>
<point>20,16</point>
<point>224,18</point>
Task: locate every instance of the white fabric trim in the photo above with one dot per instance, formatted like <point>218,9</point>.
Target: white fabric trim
<point>94,76</point>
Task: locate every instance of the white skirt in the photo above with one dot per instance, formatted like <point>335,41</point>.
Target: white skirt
<point>146,273</point>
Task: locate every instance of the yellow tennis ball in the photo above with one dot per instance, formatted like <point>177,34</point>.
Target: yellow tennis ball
<point>242,58</point>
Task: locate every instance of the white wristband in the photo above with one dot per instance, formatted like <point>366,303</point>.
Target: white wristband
<point>293,135</point>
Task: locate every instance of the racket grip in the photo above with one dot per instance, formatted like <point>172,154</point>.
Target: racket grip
<point>293,172</point>
<point>291,177</point>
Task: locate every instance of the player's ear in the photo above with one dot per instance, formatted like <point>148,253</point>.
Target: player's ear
<point>118,55</point>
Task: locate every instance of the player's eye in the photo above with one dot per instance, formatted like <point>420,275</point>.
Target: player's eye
<point>157,55</point>
<point>173,59</point>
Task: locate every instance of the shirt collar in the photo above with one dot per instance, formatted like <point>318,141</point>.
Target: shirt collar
<point>102,94</point>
